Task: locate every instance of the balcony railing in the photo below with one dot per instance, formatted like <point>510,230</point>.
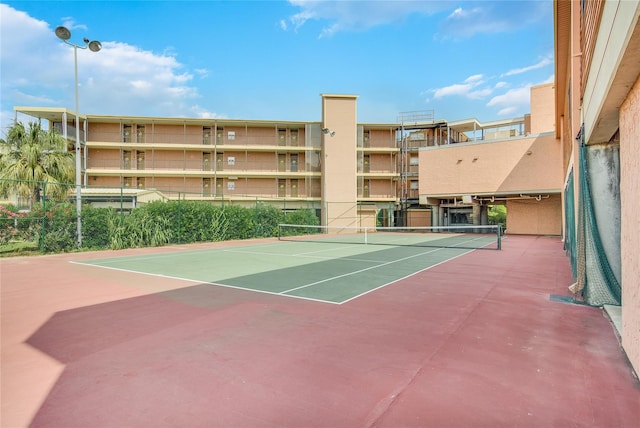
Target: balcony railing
<point>71,132</point>
<point>239,166</point>
<point>238,189</point>
<point>194,138</point>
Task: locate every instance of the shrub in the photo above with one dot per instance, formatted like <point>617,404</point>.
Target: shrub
<point>95,226</point>
<point>53,227</point>
<point>57,230</point>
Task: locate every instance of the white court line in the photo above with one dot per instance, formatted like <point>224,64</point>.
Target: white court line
<point>306,255</point>
<point>361,270</point>
<point>217,284</point>
<point>405,277</point>
<point>385,264</point>
<point>281,293</point>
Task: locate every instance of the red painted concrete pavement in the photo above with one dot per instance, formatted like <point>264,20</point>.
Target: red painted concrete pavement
<point>470,343</point>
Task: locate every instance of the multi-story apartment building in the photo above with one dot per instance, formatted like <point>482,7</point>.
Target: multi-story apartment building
<point>351,173</point>
<point>291,164</point>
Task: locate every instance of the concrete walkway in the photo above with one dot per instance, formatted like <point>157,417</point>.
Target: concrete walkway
<point>473,342</point>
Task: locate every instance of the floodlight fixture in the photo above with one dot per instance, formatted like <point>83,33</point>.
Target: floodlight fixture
<point>328,131</point>
<point>63,33</point>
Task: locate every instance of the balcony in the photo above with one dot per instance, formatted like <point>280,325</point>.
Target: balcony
<point>71,132</point>
<point>194,138</point>
<point>102,166</point>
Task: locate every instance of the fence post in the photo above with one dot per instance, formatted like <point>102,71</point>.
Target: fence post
<point>43,231</point>
<point>44,195</point>
<point>121,204</point>
<point>179,219</point>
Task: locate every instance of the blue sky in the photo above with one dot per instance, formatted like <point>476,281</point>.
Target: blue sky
<point>271,60</point>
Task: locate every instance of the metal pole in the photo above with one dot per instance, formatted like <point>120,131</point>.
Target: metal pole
<point>64,34</point>
<point>78,151</point>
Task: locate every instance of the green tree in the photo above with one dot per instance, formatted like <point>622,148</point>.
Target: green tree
<point>498,215</point>
<point>31,155</point>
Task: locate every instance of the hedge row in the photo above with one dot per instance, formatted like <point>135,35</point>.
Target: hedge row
<point>54,227</point>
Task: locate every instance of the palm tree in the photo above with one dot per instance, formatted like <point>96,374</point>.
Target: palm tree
<point>31,156</point>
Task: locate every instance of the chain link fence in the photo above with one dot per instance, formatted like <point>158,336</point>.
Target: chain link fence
<point>43,217</point>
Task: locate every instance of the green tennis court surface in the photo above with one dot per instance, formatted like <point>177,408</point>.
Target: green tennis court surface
<point>327,272</point>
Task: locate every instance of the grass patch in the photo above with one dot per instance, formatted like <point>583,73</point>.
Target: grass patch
<point>19,248</point>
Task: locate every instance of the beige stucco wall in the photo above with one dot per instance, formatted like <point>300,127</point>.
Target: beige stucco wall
<point>105,182</point>
<point>630,223</point>
<point>339,160</point>
<point>100,158</point>
<point>381,162</point>
<point>381,188</point>
<point>381,138</point>
<point>165,159</point>
<point>512,166</point>
<point>532,217</point>
<point>418,218</point>
<point>173,134</point>
<point>105,132</point>
<point>542,116</point>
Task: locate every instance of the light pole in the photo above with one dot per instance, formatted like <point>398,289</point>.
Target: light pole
<point>94,46</point>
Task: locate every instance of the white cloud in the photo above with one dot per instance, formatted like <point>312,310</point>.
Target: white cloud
<point>476,78</point>
<point>197,111</point>
<point>356,15</point>
<point>508,111</point>
<point>540,64</point>
<point>475,17</point>
<point>479,94</point>
<point>469,89</point>
<point>299,19</point>
<point>120,79</point>
<point>455,89</point>
<point>70,23</point>
<point>511,101</point>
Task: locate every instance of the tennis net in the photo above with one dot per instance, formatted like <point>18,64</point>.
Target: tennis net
<point>472,237</point>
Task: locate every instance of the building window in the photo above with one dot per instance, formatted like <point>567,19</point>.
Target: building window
<point>206,135</point>
<point>140,160</point>
<point>140,133</point>
<point>206,187</point>
<point>231,185</point>
<point>206,161</point>
<point>126,159</point>
<point>126,134</point>
<point>219,161</point>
